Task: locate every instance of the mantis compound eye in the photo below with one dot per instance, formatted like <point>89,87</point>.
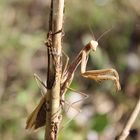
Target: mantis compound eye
<point>93,45</point>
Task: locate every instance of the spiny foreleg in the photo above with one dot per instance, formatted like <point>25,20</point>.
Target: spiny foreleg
<point>99,75</point>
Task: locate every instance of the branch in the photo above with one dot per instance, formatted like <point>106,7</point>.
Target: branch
<point>53,116</point>
<point>130,122</point>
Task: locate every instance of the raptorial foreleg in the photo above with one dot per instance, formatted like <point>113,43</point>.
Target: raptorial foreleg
<point>99,75</point>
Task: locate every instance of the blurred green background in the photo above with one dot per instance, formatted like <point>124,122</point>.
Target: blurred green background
<point>23,27</point>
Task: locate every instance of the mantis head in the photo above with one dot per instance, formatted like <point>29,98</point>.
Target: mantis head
<point>93,45</point>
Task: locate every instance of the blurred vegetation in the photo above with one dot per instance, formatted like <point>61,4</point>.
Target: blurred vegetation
<point>23,27</point>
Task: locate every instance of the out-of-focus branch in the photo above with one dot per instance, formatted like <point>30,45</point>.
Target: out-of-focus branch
<point>130,122</point>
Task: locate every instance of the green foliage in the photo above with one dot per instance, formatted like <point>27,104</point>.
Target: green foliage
<point>99,122</point>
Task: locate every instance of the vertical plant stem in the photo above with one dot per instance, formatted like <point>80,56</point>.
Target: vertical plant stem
<point>53,100</point>
<point>130,122</point>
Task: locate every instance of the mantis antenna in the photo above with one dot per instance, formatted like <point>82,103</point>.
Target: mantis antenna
<point>104,33</point>
<point>100,35</point>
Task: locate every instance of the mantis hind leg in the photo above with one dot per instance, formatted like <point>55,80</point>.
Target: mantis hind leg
<point>40,84</point>
<point>85,96</point>
<point>67,61</point>
<point>71,105</point>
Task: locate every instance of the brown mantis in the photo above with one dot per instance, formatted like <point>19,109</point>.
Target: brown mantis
<point>37,117</point>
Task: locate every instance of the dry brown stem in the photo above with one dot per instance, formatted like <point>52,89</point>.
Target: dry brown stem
<point>130,122</point>
<point>53,101</point>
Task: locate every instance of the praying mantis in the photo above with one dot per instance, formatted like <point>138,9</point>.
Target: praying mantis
<point>38,116</point>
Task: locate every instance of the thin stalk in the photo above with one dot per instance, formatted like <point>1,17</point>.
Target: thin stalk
<point>53,101</point>
<point>130,122</point>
